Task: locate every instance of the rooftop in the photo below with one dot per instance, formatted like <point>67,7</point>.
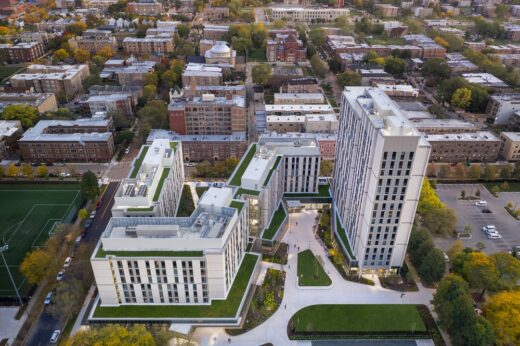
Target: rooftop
<point>9,127</point>
<point>464,137</point>
<point>484,79</point>
<point>38,132</point>
<point>157,134</point>
<point>513,136</point>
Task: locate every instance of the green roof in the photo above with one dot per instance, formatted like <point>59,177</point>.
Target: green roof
<point>343,235</point>
<point>217,309</point>
<point>102,253</point>
<point>139,162</point>
<point>157,193</point>
<point>242,191</point>
<point>276,221</point>
<point>140,209</point>
<point>237,205</point>
<point>323,191</point>
<point>276,163</point>
<point>236,180</point>
<point>173,145</point>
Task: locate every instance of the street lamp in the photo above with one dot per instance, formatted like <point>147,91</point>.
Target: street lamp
<point>2,249</point>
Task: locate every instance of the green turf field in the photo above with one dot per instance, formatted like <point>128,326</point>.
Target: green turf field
<point>28,214</point>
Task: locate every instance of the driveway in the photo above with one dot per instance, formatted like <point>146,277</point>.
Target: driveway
<point>274,330</point>
<point>469,214</point>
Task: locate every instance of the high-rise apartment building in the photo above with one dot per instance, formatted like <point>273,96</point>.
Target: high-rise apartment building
<point>380,165</point>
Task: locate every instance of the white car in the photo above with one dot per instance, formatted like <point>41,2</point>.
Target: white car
<point>59,277</point>
<point>55,336</point>
<point>446,258</point>
<point>93,214</point>
<point>494,235</point>
<point>65,174</point>
<point>66,264</point>
<point>489,228</point>
<point>48,299</point>
<point>481,203</point>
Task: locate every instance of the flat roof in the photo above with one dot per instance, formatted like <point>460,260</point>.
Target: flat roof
<point>9,127</point>
<point>513,136</point>
<point>483,136</point>
<point>37,133</point>
<point>443,123</point>
<point>484,79</point>
<point>299,108</point>
<point>157,134</point>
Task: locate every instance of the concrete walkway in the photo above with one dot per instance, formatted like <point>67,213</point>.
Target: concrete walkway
<point>77,324</point>
<point>9,326</point>
<point>300,236</point>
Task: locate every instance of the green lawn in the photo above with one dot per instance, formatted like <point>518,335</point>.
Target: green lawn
<point>257,55</point>
<point>236,180</point>
<point>247,192</point>
<point>237,205</point>
<point>386,40</point>
<point>218,308</point>
<point>323,191</point>
<point>276,221</point>
<point>200,190</point>
<point>513,186</point>
<point>358,319</point>
<point>138,162</point>
<point>343,235</point>
<point>164,175</point>
<point>275,165</point>
<point>186,204</point>
<point>28,213</point>
<point>102,253</point>
<point>310,271</point>
<point>7,71</point>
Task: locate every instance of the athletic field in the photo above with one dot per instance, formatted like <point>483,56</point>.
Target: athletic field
<point>28,215</point>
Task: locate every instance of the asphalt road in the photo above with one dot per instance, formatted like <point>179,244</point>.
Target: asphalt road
<point>47,323</point>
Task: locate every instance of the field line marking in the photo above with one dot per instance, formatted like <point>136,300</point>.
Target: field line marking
<point>41,230</point>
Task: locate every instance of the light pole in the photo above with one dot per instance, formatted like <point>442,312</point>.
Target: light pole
<point>2,249</point>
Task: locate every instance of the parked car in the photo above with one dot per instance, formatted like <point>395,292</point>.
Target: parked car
<point>446,258</point>
<point>59,277</point>
<point>93,214</point>
<point>486,211</point>
<point>488,228</point>
<point>65,174</point>
<point>494,235</point>
<point>88,223</point>
<point>78,240</point>
<point>55,336</point>
<point>68,260</point>
<point>48,299</point>
<point>127,150</point>
<point>98,204</point>
<point>481,203</point>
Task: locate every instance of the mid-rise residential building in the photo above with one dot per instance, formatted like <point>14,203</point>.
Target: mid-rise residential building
<point>430,49</point>
<point>386,10</point>
<point>127,71</point>
<point>101,4</point>
<point>67,79</point>
<point>94,40</point>
<point>151,44</point>
<point>36,36</point>
<point>83,140</point>
<point>510,150</point>
<point>464,147</point>
<point>135,91</point>
<point>312,123</point>
<point>121,103</point>
<point>444,126</point>
<point>201,74</point>
<point>326,141</point>
<point>145,8</point>
<point>43,102</point>
<point>10,133</point>
<point>285,48</point>
<point>512,31</point>
<point>154,183</point>
<point>215,32</point>
<point>399,90</point>
<point>217,90</point>
<point>22,52</point>
<point>216,14</point>
<point>502,107</point>
<point>55,25</point>
<point>208,115</point>
<point>301,85</point>
<point>307,14</point>
<point>168,28</point>
<point>177,261</point>
<point>486,80</point>
<point>298,98</point>
<point>380,164</point>
<point>298,109</point>
<point>206,147</point>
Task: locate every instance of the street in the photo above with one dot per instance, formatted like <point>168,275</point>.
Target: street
<point>43,327</point>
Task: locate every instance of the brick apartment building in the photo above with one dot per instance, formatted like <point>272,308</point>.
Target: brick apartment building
<point>43,102</point>
<point>301,85</point>
<point>145,8</point>
<point>216,14</point>
<point>93,40</point>
<point>201,74</point>
<point>151,44</point>
<point>286,48</point>
<point>208,115</point>
<point>464,147</point>
<point>22,52</point>
<point>84,140</point>
<point>10,132</point>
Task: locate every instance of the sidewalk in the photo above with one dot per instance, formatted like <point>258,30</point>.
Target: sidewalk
<point>83,311</point>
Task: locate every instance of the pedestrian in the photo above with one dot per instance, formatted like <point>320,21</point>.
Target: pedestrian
<point>402,295</point>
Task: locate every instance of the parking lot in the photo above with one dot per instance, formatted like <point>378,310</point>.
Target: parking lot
<point>469,214</point>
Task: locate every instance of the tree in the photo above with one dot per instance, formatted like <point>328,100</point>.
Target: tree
<point>516,170</point>
<point>506,171</point>
<point>155,114</point>
<point>261,74</point>
<point>463,194</point>
<point>279,24</point>
<point>83,214</point>
<point>428,199</point>
<point>12,170</point>
<point>60,55</point>
<point>474,172</point>
<point>444,172</point>
<point>435,69</point>
<point>432,267</point>
<point>480,273</point>
<point>169,78</point>
<point>113,335</point>
<point>106,52</point>
<point>319,66</point>
<point>151,79</point>
<point>490,173</point>
<point>451,289</point>
<point>326,167</point>
<point>25,113</point>
<point>461,98</point>
<point>26,170</point>
<point>455,249</point>
<point>495,190</point>
<point>419,246</point>
<point>348,78</point>
<point>395,66</point>
<point>69,293</point>
<point>149,92</point>
<point>501,310</point>
<point>460,172</point>
<point>507,270</point>
<point>89,185</point>
<point>42,171</point>
<point>183,30</point>
<point>35,265</point>
<point>441,221</point>
<point>81,55</point>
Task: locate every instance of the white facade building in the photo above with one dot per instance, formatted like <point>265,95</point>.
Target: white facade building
<point>173,260</point>
<point>307,14</point>
<point>380,165</point>
<point>154,183</point>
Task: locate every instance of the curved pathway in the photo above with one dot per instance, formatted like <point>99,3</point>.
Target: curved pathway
<point>274,330</point>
